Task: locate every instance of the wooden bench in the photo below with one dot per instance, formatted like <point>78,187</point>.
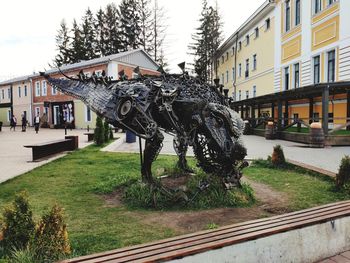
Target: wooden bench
<point>41,150</point>
<point>211,240</point>
<point>90,136</point>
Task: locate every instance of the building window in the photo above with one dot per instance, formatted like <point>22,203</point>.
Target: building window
<point>233,74</point>
<point>287,21</point>
<point>247,68</point>
<point>19,92</point>
<point>316,69</point>
<point>256,32</point>
<point>87,114</point>
<point>226,56</point>
<point>226,76</point>
<point>37,88</point>
<point>46,112</point>
<point>222,78</point>
<point>254,91</point>
<point>217,64</point>
<point>3,94</point>
<point>286,78</point>
<point>296,76</point>
<point>331,66</point>
<point>330,2</point>
<point>240,95</point>
<point>239,46</point>
<point>233,51</point>
<point>9,94</point>
<point>43,88</point>
<point>37,111</point>
<point>239,70</point>
<point>254,62</point>
<point>267,23</point>
<point>247,94</point>
<point>247,39</point>
<point>9,115</point>
<point>53,91</point>
<point>297,12</point>
<point>25,91</point>
<point>317,6</point>
<point>222,59</point>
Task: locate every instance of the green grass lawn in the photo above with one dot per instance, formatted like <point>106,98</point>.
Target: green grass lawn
<point>74,180</point>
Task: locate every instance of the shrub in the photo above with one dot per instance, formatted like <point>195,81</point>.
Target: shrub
<point>106,131</point>
<point>18,224</point>
<point>277,158</point>
<point>343,176</point>
<point>99,132</point>
<point>51,241</point>
<point>23,256</point>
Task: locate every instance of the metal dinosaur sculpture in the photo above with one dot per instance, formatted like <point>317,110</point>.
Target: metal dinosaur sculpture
<point>195,113</point>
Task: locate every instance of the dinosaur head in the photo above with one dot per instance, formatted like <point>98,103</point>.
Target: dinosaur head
<point>222,128</point>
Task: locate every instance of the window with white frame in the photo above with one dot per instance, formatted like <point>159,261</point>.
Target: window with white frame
<point>331,66</point>
<point>296,75</point>
<point>286,78</point>
<point>316,69</point>
<point>9,94</point>
<point>43,88</point>
<point>239,46</point>
<point>87,114</point>
<point>226,56</point>
<point>233,74</point>
<point>297,12</point>
<point>37,111</point>
<point>233,51</point>
<point>37,88</point>
<point>247,68</point>
<point>53,91</point>
<point>254,91</point>
<point>226,76</point>
<point>239,70</point>
<point>247,39</point>
<point>247,94</point>
<point>256,32</point>
<point>254,62</point>
<point>287,15</point>
<point>267,24</point>
<point>222,78</point>
<point>330,2</point>
<point>25,91</point>
<point>19,92</point>
<point>317,6</point>
<point>239,95</point>
<point>3,94</point>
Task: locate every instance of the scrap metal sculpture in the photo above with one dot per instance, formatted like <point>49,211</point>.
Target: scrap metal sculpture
<point>195,113</point>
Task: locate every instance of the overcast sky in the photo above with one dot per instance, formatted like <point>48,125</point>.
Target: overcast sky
<point>28,28</point>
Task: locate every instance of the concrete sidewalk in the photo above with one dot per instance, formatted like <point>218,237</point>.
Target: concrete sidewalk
<point>16,160</point>
<point>326,158</point>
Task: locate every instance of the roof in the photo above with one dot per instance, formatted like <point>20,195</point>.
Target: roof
<point>17,79</point>
<point>240,31</point>
<point>115,57</point>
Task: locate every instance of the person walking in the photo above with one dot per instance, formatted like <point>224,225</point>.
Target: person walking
<point>13,123</point>
<point>36,123</point>
<point>24,123</point>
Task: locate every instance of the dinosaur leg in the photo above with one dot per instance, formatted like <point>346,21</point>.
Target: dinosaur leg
<point>152,149</point>
<point>180,146</point>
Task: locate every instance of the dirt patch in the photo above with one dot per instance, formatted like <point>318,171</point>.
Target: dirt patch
<point>270,202</point>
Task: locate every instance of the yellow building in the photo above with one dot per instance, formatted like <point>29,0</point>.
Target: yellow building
<point>5,104</point>
<point>303,56</point>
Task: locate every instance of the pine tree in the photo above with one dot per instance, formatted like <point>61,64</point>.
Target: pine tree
<point>99,133</point>
<point>113,42</point>
<point>130,25</point>
<point>206,41</point>
<point>100,33</point>
<point>147,22</point>
<point>88,35</point>
<point>63,45</point>
<point>78,51</point>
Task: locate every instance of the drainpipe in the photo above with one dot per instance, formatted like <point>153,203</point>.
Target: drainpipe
<point>234,81</point>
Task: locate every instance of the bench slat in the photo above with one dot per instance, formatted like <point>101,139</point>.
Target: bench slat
<point>202,238</point>
<point>46,143</point>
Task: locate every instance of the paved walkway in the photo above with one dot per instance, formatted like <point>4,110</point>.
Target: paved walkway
<point>326,158</point>
<point>341,258</point>
<point>16,160</point>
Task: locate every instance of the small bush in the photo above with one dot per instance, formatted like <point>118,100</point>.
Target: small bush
<point>23,256</point>
<point>99,134</point>
<point>106,131</point>
<point>343,176</point>
<point>51,241</point>
<point>18,224</point>
<point>277,158</point>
